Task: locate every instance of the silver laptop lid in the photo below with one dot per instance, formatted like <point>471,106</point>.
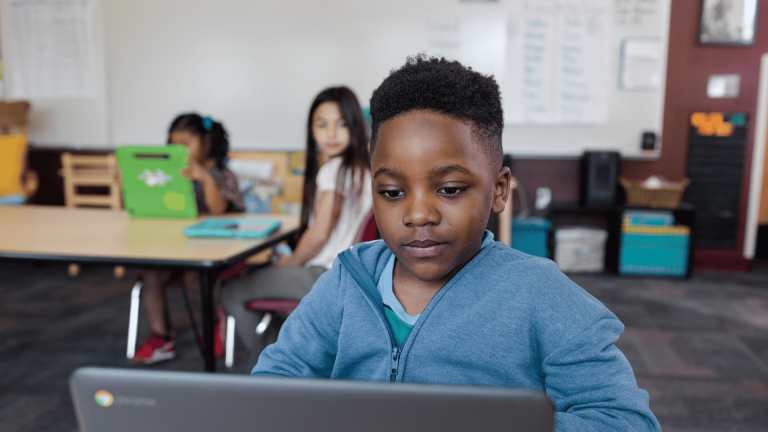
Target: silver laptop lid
<point>128,400</point>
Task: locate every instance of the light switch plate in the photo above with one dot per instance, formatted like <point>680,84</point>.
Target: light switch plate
<point>723,86</point>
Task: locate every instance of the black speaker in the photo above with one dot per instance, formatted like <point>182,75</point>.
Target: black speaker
<point>649,141</point>
<point>599,177</point>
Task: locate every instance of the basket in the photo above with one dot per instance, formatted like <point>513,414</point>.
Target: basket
<point>664,197</point>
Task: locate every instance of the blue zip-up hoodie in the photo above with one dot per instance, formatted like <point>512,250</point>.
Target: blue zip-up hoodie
<point>506,319</point>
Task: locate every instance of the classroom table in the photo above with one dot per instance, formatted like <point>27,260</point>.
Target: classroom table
<point>110,237</point>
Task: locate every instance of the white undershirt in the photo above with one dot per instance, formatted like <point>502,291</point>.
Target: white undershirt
<point>386,288</point>
<point>353,212</point>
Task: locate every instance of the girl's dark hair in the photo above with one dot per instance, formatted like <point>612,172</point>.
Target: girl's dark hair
<point>354,159</point>
<point>213,136</point>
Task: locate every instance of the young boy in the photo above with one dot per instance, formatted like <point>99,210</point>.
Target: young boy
<point>437,301</point>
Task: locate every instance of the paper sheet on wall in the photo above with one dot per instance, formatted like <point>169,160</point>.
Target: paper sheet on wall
<point>640,64</point>
<point>638,15</point>
<point>558,62</point>
<point>51,49</point>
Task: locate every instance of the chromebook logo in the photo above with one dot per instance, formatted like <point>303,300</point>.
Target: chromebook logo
<point>104,398</point>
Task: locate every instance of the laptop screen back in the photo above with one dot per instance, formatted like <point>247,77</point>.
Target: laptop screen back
<point>137,400</point>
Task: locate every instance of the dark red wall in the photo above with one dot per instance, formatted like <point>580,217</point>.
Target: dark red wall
<point>689,66</point>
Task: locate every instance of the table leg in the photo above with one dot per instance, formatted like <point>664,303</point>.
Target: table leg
<point>613,242</point>
<point>206,301</point>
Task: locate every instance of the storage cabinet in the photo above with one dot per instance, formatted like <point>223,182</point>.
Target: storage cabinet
<point>610,219</point>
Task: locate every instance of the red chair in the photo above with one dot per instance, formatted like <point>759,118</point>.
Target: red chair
<point>277,310</point>
<point>369,231</point>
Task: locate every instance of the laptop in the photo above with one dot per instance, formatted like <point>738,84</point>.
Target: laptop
<point>152,182</point>
<point>133,400</point>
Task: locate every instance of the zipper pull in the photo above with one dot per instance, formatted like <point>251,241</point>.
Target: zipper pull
<point>395,363</point>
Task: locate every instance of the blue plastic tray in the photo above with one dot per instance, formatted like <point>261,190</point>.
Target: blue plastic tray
<point>233,227</point>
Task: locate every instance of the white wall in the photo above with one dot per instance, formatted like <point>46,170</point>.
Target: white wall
<point>257,64</point>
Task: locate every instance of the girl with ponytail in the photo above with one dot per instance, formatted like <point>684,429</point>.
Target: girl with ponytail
<point>208,143</point>
<point>216,192</point>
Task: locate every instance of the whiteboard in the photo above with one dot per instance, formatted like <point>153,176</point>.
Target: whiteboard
<point>257,65</point>
<point>629,112</point>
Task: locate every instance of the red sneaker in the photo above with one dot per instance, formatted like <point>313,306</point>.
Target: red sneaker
<point>156,349</point>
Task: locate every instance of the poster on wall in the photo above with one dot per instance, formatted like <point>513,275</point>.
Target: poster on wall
<point>640,64</point>
<point>728,22</point>
<point>50,49</point>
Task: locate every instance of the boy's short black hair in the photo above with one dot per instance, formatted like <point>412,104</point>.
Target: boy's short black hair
<point>446,87</point>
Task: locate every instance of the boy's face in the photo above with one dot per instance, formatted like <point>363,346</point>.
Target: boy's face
<point>433,189</point>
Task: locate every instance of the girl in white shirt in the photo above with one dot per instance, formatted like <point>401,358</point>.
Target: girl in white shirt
<point>336,202</point>
<point>337,196</point>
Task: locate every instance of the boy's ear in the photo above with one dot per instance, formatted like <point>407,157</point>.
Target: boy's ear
<point>501,190</point>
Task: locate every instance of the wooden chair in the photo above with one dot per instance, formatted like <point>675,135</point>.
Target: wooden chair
<point>13,121</point>
<point>90,171</point>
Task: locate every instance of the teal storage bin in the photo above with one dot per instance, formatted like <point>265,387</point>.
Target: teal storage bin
<point>654,254</point>
<point>529,235</point>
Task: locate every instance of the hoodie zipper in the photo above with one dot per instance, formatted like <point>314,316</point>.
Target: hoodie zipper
<point>396,350</point>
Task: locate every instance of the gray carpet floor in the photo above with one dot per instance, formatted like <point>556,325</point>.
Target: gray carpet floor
<point>698,346</point>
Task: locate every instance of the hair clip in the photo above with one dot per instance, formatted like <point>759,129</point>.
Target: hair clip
<point>207,123</point>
